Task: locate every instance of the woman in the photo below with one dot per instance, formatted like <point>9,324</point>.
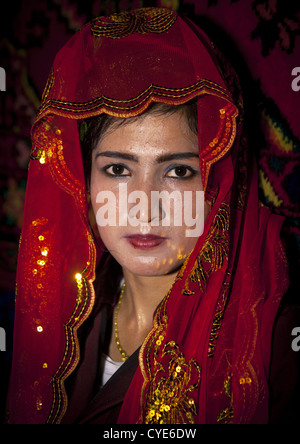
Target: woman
<point>184,322</point>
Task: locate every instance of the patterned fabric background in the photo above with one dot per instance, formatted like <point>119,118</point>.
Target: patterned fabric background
<point>260,37</point>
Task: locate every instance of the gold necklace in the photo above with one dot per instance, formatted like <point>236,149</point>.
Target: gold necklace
<point>117,339</point>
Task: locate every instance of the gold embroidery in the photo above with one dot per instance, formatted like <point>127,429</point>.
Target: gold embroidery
<point>50,138</point>
<point>217,322</point>
<point>144,21</point>
<point>169,379</point>
<point>213,253</point>
<point>226,415</point>
<point>84,303</point>
<point>81,286</point>
<point>135,105</point>
<point>38,154</point>
<point>173,379</point>
<point>221,144</point>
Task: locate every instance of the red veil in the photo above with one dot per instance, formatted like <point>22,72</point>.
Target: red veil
<point>207,358</point>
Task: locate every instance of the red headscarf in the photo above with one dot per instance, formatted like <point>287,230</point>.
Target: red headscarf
<point>207,357</point>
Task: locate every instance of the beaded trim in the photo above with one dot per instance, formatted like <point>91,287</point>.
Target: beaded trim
<point>142,21</point>
<point>133,106</point>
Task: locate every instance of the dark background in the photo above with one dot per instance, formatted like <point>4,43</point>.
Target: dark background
<point>260,37</point>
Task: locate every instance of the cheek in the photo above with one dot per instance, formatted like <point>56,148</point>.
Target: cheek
<point>105,205</point>
<point>179,245</point>
<point>109,236</point>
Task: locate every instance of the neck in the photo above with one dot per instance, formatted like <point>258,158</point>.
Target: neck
<point>143,294</point>
<point>134,315</point>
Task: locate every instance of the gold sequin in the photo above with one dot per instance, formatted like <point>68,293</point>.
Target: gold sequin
<point>42,158</point>
<point>245,380</point>
<point>168,400</point>
<point>45,252</point>
<point>39,404</point>
<point>81,285</point>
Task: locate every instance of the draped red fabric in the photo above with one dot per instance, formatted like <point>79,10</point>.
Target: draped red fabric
<point>206,360</point>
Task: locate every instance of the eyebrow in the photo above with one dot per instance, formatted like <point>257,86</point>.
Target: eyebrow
<point>159,159</point>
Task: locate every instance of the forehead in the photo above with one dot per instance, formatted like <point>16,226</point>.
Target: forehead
<point>149,134</point>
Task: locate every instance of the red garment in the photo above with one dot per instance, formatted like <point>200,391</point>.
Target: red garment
<point>207,358</point>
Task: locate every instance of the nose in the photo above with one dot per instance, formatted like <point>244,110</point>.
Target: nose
<point>143,208</point>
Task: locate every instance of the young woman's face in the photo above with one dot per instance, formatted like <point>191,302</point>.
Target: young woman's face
<point>148,235</point>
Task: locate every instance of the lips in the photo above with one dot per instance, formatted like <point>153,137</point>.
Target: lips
<point>145,242</point>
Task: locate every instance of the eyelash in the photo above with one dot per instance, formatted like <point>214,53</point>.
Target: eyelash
<point>173,167</point>
<point>106,168</point>
<point>184,167</point>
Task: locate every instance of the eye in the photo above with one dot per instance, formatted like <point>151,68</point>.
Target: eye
<point>116,170</point>
<point>180,172</point>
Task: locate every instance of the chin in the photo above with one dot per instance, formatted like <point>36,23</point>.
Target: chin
<point>151,267</point>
